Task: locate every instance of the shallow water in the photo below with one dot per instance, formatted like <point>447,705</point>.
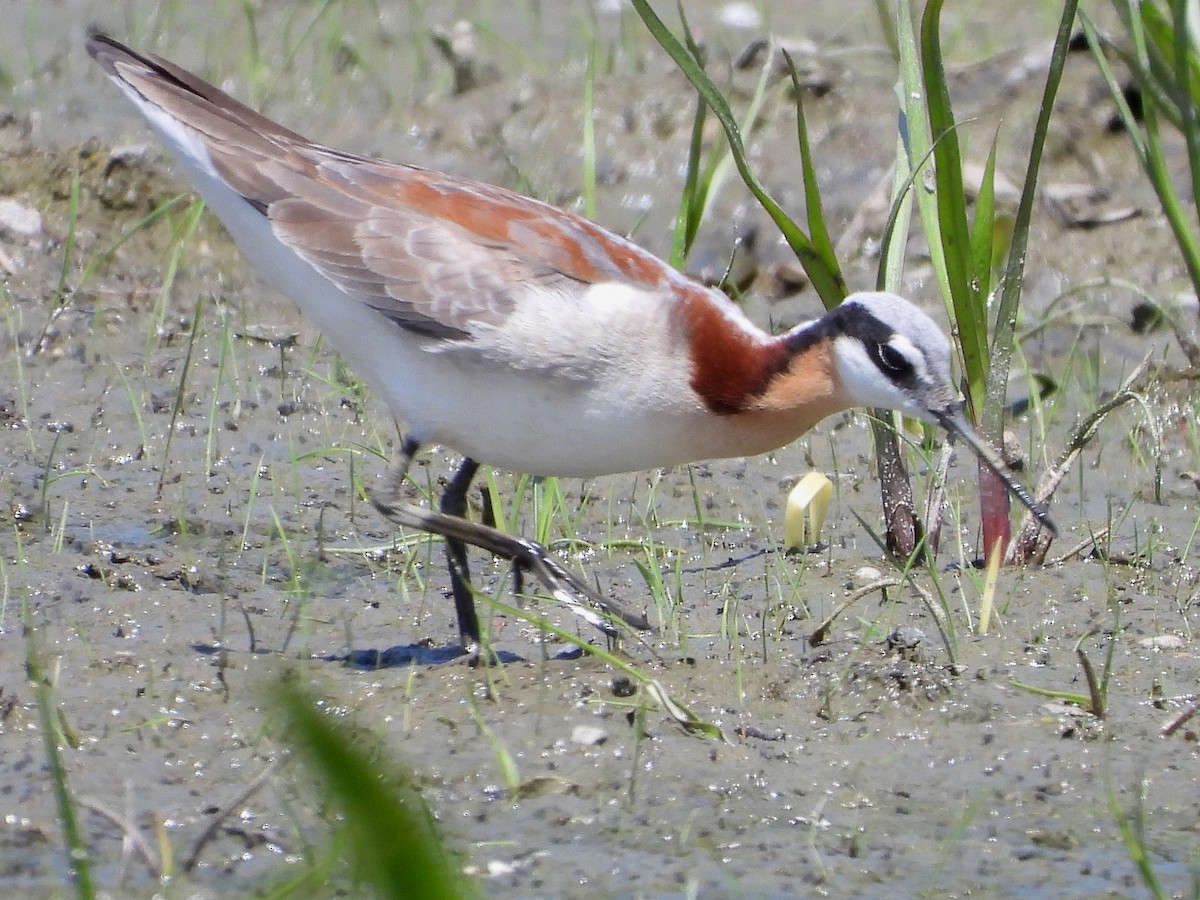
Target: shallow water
<point>185,518</point>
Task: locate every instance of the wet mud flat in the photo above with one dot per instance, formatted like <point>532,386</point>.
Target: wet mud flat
<point>184,477</point>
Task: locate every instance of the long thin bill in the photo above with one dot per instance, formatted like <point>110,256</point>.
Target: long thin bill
<point>954,422</point>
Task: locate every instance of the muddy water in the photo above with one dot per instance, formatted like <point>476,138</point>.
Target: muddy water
<point>183,481</point>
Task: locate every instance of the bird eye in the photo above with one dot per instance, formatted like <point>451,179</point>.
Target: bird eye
<point>892,362</point>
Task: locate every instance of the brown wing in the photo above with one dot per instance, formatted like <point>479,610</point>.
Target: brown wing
<point>433,253</point>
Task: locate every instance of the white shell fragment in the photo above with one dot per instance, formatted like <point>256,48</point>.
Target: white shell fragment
<point>805,515</point>
<point>588,735</point>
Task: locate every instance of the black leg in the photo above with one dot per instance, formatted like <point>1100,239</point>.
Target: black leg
<point>525,555</point>
<point>394,480</point>
<point>454,503</point>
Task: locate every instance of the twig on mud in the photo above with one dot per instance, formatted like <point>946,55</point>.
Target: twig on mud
<point>1180,720</point>
<point>818,637</point>
<point>249,627</point>
<point>1034,541</point>
<point>131,835</point>
<point>905,532</point>
<point>937,498</point>
<point>821,634</point>
<point>1187,343</point>
<point>1094,689</point>
<point>241,798</point>
<point>1092,540</point>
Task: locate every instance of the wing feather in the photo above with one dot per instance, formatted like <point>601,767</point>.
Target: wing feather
<point>437,255</point>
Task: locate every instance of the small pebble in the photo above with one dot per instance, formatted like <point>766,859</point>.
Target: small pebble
<point>18,221</point>
<point>588,735</point>
<point>741,15</point>
<point>905,640</point>
<point>1162,642</point>
<point>130,155</point>
<point>862,576</point>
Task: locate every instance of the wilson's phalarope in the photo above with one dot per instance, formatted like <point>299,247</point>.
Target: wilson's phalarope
<point>520,335</point>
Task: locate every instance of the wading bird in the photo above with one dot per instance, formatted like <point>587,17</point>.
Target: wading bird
<point>521,335</point>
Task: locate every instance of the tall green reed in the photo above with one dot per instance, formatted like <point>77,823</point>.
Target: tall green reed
<point>963,253</point>
<point>1163,59</point>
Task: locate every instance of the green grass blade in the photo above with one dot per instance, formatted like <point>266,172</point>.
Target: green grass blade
<point>393,838</point>
<point>60,290</point>
<point>1147,144</point>
<point>78,865</point>
<point>1131,826</point>
<point>692,201</point>
<point>683,715</point>
<point>1185,87</point>
<point>914,131</point>
<point>1153,81</point>
<point>699,179</point>
<point>911,113</point>
<point>1010,297</point>
<point>1158,169</point>
<point>830,284</point>
<point>814,208</point>
<point>1083,701</point>
<point>1173,75</point>
<point>905,532</point>
<point>504,760</point>
<point>983,227</point>
<point>1128,120</point>
<point>181,391</point>
<point>894,241</point>
<point>61,294</point>
<point>887,26</point>
<point>969,309</point>
<point>704,178</point>
<point>94,262</point>
<point>994,499</point>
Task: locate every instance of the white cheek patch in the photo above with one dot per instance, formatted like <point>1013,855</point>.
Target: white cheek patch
<point>867,386</point>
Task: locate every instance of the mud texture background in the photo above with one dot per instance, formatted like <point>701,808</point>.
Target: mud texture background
<point>184,472</point>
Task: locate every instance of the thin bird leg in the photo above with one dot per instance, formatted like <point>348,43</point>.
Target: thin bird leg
<point>558,582</point>
<point>454,503</point>
<point>393,480</point>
